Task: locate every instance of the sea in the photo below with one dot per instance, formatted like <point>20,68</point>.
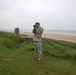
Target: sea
<point>63,32</point>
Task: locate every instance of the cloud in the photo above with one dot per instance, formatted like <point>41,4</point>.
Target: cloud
<point>5,5</point>
<point>52,14</point>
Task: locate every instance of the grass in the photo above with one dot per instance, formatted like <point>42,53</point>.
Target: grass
<point>17,56</point>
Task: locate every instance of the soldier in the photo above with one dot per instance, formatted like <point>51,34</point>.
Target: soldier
<point>38,30</point>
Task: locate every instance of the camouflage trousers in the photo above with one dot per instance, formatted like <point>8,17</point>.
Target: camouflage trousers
<point>38,48</point>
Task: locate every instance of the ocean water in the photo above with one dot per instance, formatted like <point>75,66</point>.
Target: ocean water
<point>65,32</point>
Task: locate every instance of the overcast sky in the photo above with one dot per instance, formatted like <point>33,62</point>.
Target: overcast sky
<point>52,14</point>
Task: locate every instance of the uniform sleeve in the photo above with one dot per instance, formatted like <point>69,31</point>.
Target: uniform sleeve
<point>34,30</point>
<point>39,31</point>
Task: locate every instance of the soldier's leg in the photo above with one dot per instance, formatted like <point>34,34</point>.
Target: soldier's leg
<point>36,49</point>
<point>39,48</point>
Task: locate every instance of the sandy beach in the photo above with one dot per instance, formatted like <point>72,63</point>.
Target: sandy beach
<point>69,38</point>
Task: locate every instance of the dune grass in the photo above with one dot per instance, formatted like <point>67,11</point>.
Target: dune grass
<point>17,56</point>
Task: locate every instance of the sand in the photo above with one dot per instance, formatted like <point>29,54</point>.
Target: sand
<point>69,38</point>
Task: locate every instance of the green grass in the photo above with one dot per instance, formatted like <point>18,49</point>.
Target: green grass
<point>17,56</point>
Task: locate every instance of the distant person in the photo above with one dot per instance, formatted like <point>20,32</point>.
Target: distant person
<point>38,30</point>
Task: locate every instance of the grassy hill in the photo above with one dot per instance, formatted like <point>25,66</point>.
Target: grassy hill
<point>17,57</point>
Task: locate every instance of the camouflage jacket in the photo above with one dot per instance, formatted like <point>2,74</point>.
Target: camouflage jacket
<point>37,34</point>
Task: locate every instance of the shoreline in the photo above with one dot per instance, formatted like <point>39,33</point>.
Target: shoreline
<point>69,38</point>
<point>64,37</point>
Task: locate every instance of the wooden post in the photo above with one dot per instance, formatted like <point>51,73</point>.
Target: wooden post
<point>17,31</point>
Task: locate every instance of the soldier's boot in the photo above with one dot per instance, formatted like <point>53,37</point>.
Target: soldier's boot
<point>39,59</point>
<point>36,57</point>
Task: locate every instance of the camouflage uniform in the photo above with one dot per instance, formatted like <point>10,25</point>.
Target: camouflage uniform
<point>38,41</point>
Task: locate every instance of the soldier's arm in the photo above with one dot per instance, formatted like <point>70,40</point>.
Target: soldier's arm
<point>34,30</point>
<point>39,31</point>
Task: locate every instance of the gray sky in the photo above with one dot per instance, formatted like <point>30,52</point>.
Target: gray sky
<point>52,14</point>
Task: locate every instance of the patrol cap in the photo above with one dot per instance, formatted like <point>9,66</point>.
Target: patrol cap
<point>37,23</point>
